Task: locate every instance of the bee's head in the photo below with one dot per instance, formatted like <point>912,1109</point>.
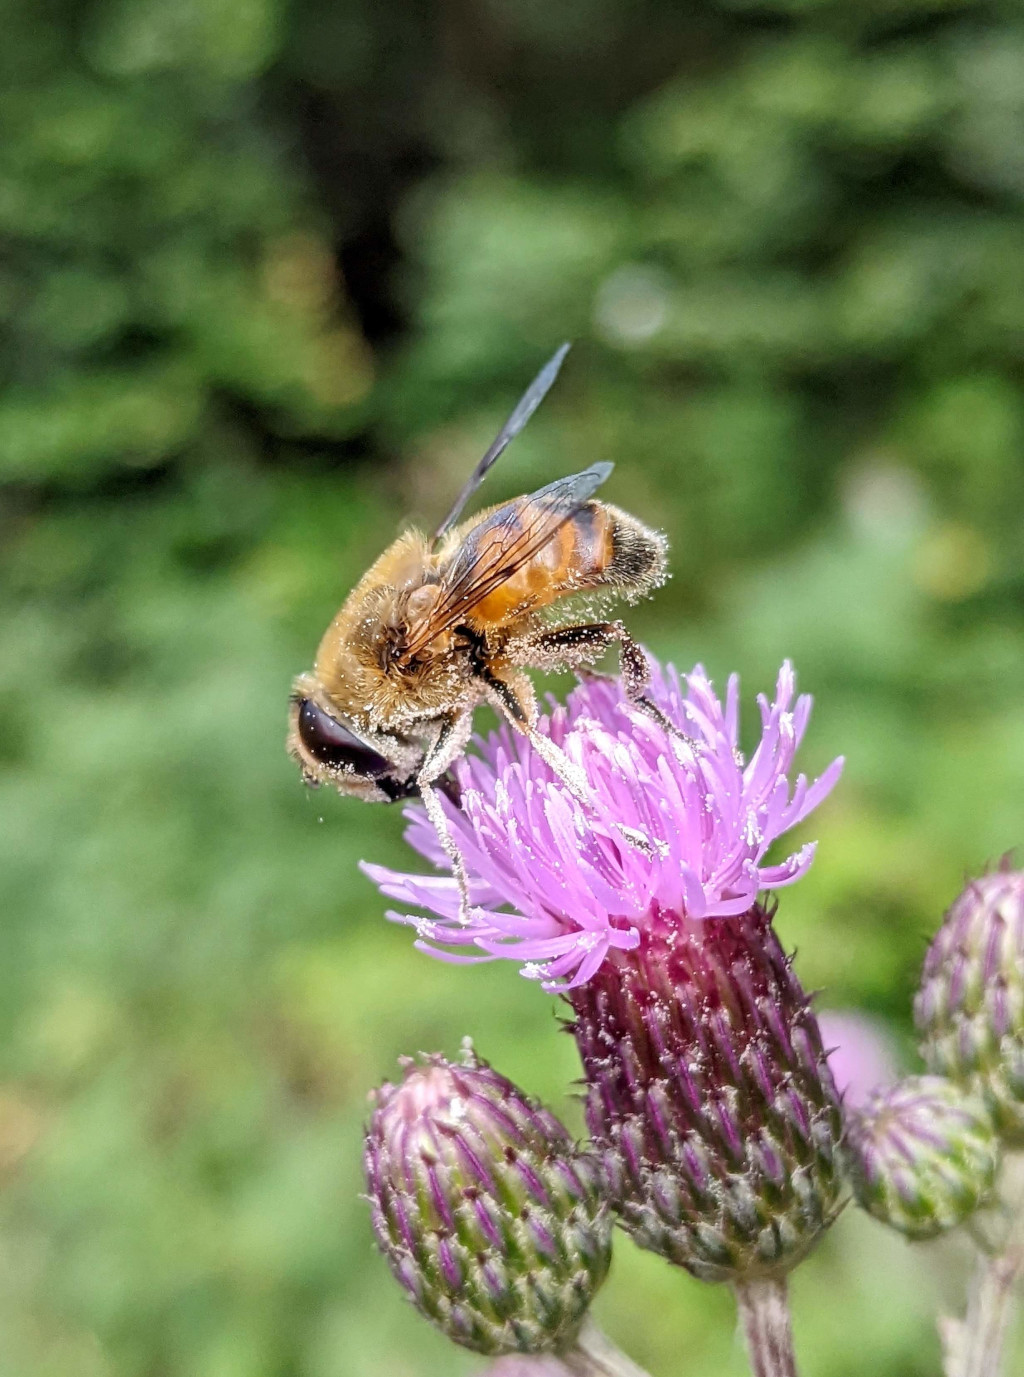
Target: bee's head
<point>376,768</point>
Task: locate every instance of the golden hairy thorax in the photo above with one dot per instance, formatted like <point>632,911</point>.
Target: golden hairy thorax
<point>353,653</point>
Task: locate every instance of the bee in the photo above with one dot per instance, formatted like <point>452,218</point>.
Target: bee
<point>439,625</point>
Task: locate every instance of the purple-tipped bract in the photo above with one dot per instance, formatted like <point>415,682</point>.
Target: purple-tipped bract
<point>709,1096</point>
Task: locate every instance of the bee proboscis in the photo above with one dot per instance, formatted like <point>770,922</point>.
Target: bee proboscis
<point>438,625</point>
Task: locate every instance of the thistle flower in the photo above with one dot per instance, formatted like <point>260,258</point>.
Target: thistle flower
<point>922,1155</point>
<point>577,888</point>
<point>492,1222</point>
<point>970,1005</point>
<point>708,1093</point>
<point>861,1055</point>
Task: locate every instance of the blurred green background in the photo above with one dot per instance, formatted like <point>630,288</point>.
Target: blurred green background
<point>271,274</point>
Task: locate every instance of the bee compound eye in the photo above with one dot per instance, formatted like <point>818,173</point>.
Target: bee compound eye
<point>397,789</point>
<point>329,741</point>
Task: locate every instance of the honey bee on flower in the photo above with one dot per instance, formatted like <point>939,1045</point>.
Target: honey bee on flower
<point>439,625</point>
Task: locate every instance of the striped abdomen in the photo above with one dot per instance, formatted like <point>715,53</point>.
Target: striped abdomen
<point>599,546</point>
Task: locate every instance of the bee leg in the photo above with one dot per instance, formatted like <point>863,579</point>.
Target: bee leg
<point>448,746</point>
<point>572,647</point>
<point>514,698</point>
<point>587,674</point>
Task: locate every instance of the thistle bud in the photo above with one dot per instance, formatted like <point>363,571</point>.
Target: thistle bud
<point>492,1222</point>
<point>970,1007</point>
<point>922,1155</point>
<point>709,1093</point>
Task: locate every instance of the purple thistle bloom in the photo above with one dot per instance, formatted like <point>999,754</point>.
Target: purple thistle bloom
<point>556,884</point>
<point>861,1053</point>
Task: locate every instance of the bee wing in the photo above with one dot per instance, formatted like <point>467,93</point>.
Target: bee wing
<point>525,407</point>
<point>500,544</point>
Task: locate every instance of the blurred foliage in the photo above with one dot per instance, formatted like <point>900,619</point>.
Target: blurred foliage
<point>271,276</point>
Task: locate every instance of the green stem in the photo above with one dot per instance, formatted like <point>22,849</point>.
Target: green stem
<point>596,1356</point>
<point>973,1346</point>
<point>764,1311</point>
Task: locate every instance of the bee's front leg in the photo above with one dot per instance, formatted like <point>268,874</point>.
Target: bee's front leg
<point>448,745</point>
<point>513,696</point>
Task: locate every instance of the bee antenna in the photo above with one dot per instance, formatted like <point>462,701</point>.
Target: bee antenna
<point>524,409</point>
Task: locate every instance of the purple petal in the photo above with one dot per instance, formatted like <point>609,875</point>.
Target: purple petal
<point>555,883</point>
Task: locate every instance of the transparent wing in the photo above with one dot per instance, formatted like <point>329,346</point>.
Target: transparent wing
<point>498,546</point>
<point>526,406</point>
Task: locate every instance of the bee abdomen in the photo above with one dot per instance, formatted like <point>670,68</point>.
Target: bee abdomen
<point>598,547</point>
<point>608,548</point>
<point>638,560</point>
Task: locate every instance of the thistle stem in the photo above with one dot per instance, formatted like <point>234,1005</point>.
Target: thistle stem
<point>989,1309</point>
<point>973,1347</point>
<point>764,1310</point>
<point>596,1356</point>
